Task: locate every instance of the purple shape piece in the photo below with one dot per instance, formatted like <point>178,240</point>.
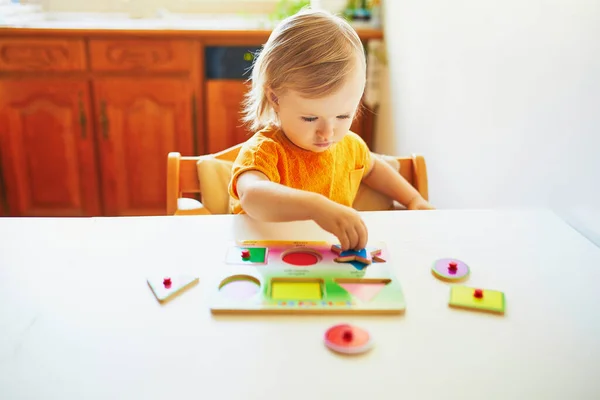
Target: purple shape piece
<point>441,267</point>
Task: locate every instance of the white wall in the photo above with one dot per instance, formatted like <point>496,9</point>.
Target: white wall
<point>502,97</point>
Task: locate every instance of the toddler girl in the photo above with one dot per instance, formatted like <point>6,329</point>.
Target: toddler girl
<point>303,162</point>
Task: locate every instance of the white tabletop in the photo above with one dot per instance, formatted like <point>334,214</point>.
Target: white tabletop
<point>78,321</point>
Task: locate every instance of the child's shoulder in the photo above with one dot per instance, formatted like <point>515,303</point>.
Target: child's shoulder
<point>269,134</point>
<point>265,140</point>
<point>354,149</point>
<point>354,142</point>
<point>354,138</point>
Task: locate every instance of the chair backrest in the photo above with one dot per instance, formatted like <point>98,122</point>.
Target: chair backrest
<point>182,174</point>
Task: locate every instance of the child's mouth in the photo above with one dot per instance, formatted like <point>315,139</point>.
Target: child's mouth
<point>326,144</point>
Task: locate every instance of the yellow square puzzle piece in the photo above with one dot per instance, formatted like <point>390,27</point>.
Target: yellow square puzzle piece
<point>477,299</point>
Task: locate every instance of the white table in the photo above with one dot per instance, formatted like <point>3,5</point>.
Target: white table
<point>77,320</point>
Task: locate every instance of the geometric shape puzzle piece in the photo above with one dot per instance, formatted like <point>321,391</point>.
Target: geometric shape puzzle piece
<point>450,270</point>
<point>376,254</point>
<point>358,258</point>
<point>477,299</point>
<point>348,339</point>
<point>363,291</point>
<point>359,266</point>
<point>296,290</point>
<point>351,255</point>
<point>167,287</point>
<point>247,255</point>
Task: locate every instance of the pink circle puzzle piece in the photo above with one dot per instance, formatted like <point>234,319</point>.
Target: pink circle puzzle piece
<point>348,339</point>
<point>450,269</point>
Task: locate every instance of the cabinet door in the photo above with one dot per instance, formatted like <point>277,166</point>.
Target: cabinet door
<point>224,127</point>
<point>3,205</point>
<point>47,148</point>
<point>139,122</point>
<point>364,125</point>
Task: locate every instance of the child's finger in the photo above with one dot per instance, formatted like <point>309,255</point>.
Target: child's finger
<point>363,235</point>
<point>343,239</point>
<point>353,238</point>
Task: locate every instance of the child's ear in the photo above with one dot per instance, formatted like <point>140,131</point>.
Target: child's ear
<point>273,99</point>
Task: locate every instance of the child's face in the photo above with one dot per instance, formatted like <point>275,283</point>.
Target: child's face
<point>317,124</point>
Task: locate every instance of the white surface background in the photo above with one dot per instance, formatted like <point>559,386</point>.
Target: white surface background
<point>502,98</point>
<point>78,321</point>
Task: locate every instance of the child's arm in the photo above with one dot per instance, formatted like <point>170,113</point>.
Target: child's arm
<point>383,178</point>
<point>268,201</point>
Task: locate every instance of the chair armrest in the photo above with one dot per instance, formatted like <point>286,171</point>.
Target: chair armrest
<point>173,167</point>
<point>187,206</point>
<point>420,173</point>
<point>397,206</point>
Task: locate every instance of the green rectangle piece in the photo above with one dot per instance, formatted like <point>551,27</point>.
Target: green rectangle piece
<point>257,254</point>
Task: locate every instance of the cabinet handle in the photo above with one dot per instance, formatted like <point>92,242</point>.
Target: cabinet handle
<point>82,118</point>
<point>194,123</point>
<point>103,119</point>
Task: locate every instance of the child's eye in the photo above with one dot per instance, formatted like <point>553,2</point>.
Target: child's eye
<point>343,116</point>
<point>309,119</point>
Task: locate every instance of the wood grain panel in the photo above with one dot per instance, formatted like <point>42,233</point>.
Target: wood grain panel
<point>144,55</point>
<point>224,125</point>
<point>140,122</point>
<point>47,148</point>
<point>42,55</point>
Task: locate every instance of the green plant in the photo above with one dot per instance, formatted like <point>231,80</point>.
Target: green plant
<point>285,8</point>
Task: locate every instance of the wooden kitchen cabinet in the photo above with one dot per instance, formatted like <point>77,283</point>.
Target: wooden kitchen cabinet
<point>364,125</point>
<point>224,125</point>
<point>139,121</point>
<point>88,117</point>
<point>47,148</point>
<point>3,205</point>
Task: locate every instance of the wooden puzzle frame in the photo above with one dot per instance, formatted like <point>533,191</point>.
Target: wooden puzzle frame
<point>327,286</point>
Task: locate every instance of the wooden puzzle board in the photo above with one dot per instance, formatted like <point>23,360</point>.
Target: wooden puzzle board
<point>303,277</point>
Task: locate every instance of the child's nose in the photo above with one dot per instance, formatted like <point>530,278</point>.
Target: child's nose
<point>326,131</point>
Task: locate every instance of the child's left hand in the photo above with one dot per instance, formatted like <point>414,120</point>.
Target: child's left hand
<point>419,203</point>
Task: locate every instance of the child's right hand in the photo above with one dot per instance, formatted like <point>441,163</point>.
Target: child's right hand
<point>343,222</point>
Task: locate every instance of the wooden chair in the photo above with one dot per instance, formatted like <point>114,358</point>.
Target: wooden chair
<point>183,177</point>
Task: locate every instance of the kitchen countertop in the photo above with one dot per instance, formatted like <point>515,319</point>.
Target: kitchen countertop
<point>176,23</point>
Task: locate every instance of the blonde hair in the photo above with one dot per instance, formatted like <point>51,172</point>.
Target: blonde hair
<point>311,52</point>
